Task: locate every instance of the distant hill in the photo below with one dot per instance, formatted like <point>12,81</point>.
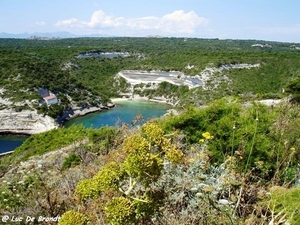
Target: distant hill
<point>61,34</point>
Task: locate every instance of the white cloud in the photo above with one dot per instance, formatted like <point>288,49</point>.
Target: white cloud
<point>182,22</point>
<point>175,23</point>
<point>100,19</point>
<point>73,22</point>
<point>40,23</point>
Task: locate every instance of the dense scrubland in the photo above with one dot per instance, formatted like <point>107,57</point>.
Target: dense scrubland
<point>27,65</point>
<point>234,161</point>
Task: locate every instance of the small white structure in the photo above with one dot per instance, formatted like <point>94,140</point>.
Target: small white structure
<point>51,99</point>
<point>48,96</point>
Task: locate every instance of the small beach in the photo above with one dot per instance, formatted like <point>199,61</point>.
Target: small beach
<point>145,99</point>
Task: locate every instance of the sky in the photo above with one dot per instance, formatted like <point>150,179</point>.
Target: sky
<point>270,20</point>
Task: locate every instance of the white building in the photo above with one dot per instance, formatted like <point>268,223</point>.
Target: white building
<point>51,99</point>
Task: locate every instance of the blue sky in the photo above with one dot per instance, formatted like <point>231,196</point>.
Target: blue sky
<point>273,20</point>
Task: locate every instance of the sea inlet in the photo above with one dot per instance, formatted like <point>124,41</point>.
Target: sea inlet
<point>124,112</point>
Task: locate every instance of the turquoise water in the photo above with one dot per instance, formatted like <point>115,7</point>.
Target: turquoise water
<point>124,112</point>
<point>9,143</point>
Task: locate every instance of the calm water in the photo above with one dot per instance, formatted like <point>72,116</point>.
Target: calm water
<point>124,112</point>
<point>9,143</point>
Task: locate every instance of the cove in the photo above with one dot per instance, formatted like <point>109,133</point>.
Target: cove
<point>9,143</point>
<point>123,112</point>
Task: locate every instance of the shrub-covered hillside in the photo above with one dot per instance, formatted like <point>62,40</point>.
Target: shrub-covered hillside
<point>27,65</point>
<point>228,163</point>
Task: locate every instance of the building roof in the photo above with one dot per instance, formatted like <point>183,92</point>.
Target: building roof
<point>49,97</point>
<point>43,91</point>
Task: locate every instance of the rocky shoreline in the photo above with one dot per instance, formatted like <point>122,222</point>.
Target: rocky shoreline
<point>28,122</point>
<point>78,112</point>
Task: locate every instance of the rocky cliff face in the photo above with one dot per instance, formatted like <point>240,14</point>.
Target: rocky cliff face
<point>24,122</point>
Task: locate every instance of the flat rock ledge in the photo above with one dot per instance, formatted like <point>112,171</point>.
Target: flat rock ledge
<point>25,122</point>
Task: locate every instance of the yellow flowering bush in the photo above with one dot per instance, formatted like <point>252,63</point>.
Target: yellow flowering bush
<point>136,143</point>
<point>207,135</point>
<point>74,218</point>
<point>86,189</point>
<point>145,166</point>
<point>120,210</point>
<point>153,132</point>
<point>131,179</point>
<point>174,156</point>
<point>107,178</point>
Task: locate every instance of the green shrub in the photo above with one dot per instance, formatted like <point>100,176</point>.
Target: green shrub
<point>120,211</point>
<point>39,144</point>
<point>245,131</point>
<point>285,203</point>
<point>87,189</point>
<point>10,200</point>
<point>131,178</point>
<point>70,161</point>
<point>102,139</point>
<point>293,88</point>
<point>74,218</point>
<point>107,178</point>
